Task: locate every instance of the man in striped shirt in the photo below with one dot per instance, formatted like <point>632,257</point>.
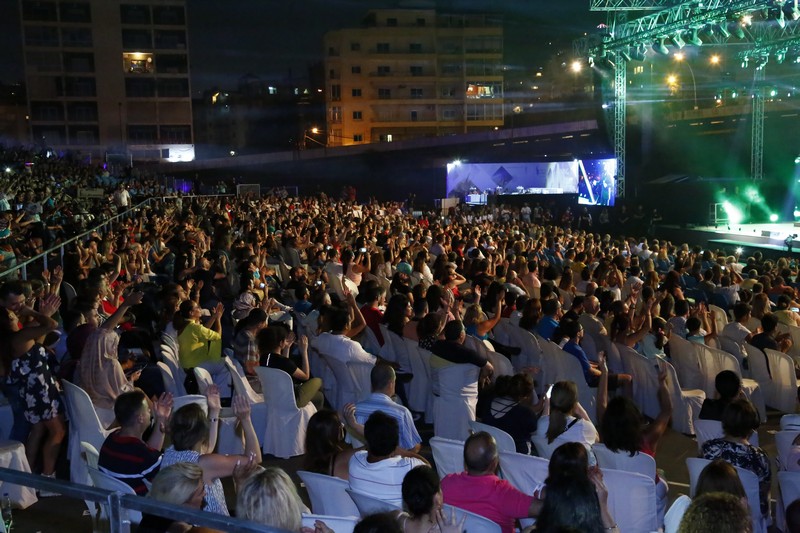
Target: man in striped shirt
<point>383,382</point>
<point>124,455</point>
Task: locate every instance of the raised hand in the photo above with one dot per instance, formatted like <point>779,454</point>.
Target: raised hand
<point>449,524</point>
<point>49,304</point>
<point>241,407</point>
<point>163,407</point>
<point>135,298</point>
<point>213,399</point>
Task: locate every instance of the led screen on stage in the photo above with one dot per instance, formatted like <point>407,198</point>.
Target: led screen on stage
<point>512,178</point>
<point>597,182</point>
<point>592,179</point>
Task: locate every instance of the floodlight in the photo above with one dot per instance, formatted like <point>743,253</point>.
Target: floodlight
<point>660,47</point>
<point>694,39</point>
<point>677,41</point>
<point>773,217</point>
<point>576,66</point>
<point>796,213</point>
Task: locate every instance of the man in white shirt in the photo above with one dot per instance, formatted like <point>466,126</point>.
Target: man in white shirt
<point>737,330</point>
<point>379,471</point>
<point>338,345</point>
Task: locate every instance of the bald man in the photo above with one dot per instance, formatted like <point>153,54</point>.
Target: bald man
<point>588,319</point>
<point>480,491</point>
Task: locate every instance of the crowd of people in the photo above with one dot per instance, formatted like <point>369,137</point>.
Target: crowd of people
<point>274,280</point>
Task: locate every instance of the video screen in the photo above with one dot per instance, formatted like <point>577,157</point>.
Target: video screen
<point>593,180</point>
<point>597,181</point>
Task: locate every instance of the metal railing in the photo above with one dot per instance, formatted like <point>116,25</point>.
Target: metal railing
<point>116,502</point>
<point>107,222</point>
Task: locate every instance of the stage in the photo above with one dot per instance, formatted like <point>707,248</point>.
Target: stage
<point>769,238</point>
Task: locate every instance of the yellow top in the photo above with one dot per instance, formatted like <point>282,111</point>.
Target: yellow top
<point>198,344</point>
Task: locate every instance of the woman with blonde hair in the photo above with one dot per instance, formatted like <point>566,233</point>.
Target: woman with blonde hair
<point>182,485</point>
<point>761,305</point>
<point>270,497</point>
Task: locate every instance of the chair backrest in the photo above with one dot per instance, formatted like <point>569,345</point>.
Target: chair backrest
<point>712,362</point>
<point>186,399</point>
<point>789,482</point>
<point>278,389</point>
<point>204,379</point>
<point>783,444</point>
<point>613,358</point>
<point>645,380</point>
<point>474,523</point>
<point>448,455</point>
<point>525,472</point>
<point>590,347</point>
<point>104,481</point>
<point>505,442</point>
<point>733,348</point>
<point>90,453</point>
<point>687,365</point>
<point>419,389</point>
<point>720,317</point>
<point>84,415</point>
<point>167,378</point>
<point>705,430</point>
<point>459,381</point>
<point>749,482</point>
<point>757,362</point>
<point>570,370</point>
<point>69,293</point>
<point>368,504</point>
<point>169,356</point>
<point>685,404</point>
<point>640,462</point>
<point>339,524</point>
<point>631,500</point>
<point>240,385</point>
<point>784,381</point>
<point>328,494</point>
<point>348,389</point>
<point>790,422</point>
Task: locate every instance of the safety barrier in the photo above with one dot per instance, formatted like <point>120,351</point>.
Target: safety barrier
<point>23,267</point>
<point>116,502</point>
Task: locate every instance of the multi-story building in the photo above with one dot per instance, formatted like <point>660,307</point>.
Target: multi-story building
<point>109,76</point>
<point>411,73</point>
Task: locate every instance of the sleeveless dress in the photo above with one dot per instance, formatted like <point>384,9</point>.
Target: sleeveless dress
<point>215,495</point>
<point>37,386</point>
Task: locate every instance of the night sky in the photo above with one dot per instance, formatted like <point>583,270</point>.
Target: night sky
<point>270,38</point>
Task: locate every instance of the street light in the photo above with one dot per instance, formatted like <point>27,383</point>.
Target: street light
<point>680,57</point>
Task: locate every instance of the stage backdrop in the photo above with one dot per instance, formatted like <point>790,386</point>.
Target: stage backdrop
<point>593,180</point>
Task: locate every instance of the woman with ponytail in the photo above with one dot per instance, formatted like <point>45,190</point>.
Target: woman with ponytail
<point>564,419</point>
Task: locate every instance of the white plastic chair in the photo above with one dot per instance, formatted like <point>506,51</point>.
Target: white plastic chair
<point>749,481</point>
<point>84,426</point>
<point>757,361</point>
<point>368,504</point>
<point>645,380</point>
<point>420,397</point>
<point>204,379</point>
<point>169,356</point>
<point>455,405</point>
<point>684,359</point>
<point>474,523</point>
<point>505,442</point>
<point>352,381</point>
<point>328,494</point>
<point>104,481</point>
<point>525,472</point>
<point>570,370</point>
<point>448,455</point>
<point>790,422</point>
<point>631,500</point>
<point>186,399</point>
<point>339,524</point>
<point>735,349</point>
<point>686,404</point>
<point>789,483</point>
<point>169,380</point>
<point>706,430</point>
<point>720,317</point>
<point>713,361</point>
<point>258,409</point>
<point>285,434</point>
<point>784,381</point>
<point>502,365</point>
<point>640,462</point>
<point>783,445</point>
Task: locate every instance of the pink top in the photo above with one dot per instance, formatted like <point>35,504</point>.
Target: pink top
<point>488,496</point>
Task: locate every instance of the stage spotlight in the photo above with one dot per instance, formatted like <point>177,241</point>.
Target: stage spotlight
<point>694,38</point>
<point>744,62</point>
<point>738,31</point>
<point>795,12</point>
<point>625,55</point>
<point>722,27</point>
<point>660,47</point>
<point>739,249</point>
<point>677,41</point>
<point>796,213</point>
<point>762,62</point>
<point>773,217</point>
<point>714,60</point>
<point>575,66</point>
<point>639,52</point>
<point>747,19</point>
<point>734,215</point>
<point>780,56</point>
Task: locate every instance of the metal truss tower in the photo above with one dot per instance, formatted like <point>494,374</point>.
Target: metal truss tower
<point>757,127</point>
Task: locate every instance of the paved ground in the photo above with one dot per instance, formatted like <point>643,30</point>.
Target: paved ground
<point>65,515</point>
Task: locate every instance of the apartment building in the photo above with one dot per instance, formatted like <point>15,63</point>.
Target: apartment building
<point>109,76</point>
<point>410,73</point>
